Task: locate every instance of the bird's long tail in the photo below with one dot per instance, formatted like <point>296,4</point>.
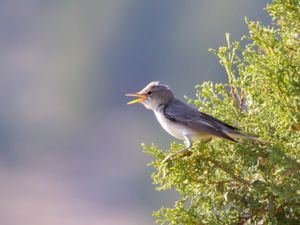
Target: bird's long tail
<point>239,135</point>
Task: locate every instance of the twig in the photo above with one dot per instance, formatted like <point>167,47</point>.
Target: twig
<point>282,92</point>
<point>242,99</point>
<point>291,171</point>
<point>232,89</point>
<point>227,170</point>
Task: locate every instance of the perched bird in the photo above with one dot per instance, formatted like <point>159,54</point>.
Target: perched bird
<point>182,121</point>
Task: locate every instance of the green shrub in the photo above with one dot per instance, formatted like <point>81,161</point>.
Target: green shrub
<point>247,182</point>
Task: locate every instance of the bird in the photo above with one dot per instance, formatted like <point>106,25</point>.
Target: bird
<point>183,121</point>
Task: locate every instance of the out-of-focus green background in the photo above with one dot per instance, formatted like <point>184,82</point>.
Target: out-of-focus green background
<point>70,147</point>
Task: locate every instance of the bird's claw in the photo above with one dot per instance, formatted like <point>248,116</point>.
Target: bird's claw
<point>167,158</point>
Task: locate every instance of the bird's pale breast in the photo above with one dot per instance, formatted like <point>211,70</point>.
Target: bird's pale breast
<point>178,130</point>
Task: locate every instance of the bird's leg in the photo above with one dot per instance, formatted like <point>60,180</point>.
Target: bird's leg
<point>189,144</point>
<point>207,140</point>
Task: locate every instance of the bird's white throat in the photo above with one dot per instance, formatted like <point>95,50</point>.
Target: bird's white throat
<point>174,129</point>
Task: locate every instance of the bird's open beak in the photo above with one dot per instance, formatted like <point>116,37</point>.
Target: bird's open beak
<point>142,98</point>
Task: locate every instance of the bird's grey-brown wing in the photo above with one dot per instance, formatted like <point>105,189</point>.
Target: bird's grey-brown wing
<point>179,112</point>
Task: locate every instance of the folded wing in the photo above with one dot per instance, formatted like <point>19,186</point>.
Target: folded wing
<point>179,112</point>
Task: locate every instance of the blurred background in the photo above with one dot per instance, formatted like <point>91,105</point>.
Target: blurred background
<point>70,147</point>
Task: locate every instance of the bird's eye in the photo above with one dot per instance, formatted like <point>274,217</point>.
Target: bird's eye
<point>149,92</point>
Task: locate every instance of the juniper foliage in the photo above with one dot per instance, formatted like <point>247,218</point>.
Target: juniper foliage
<point>247,182</point>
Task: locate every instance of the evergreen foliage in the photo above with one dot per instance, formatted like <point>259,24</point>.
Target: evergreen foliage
<point>247,182</point>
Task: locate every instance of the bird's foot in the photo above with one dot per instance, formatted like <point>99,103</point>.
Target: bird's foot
<point>168,158</point>
<point>185,153</point>
<point>189,146</point>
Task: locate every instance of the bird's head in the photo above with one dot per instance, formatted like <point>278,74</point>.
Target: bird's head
<point>153,95</point>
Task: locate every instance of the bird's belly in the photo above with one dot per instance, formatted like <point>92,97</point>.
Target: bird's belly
<point>175,130</point>
<point>179,130</point>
